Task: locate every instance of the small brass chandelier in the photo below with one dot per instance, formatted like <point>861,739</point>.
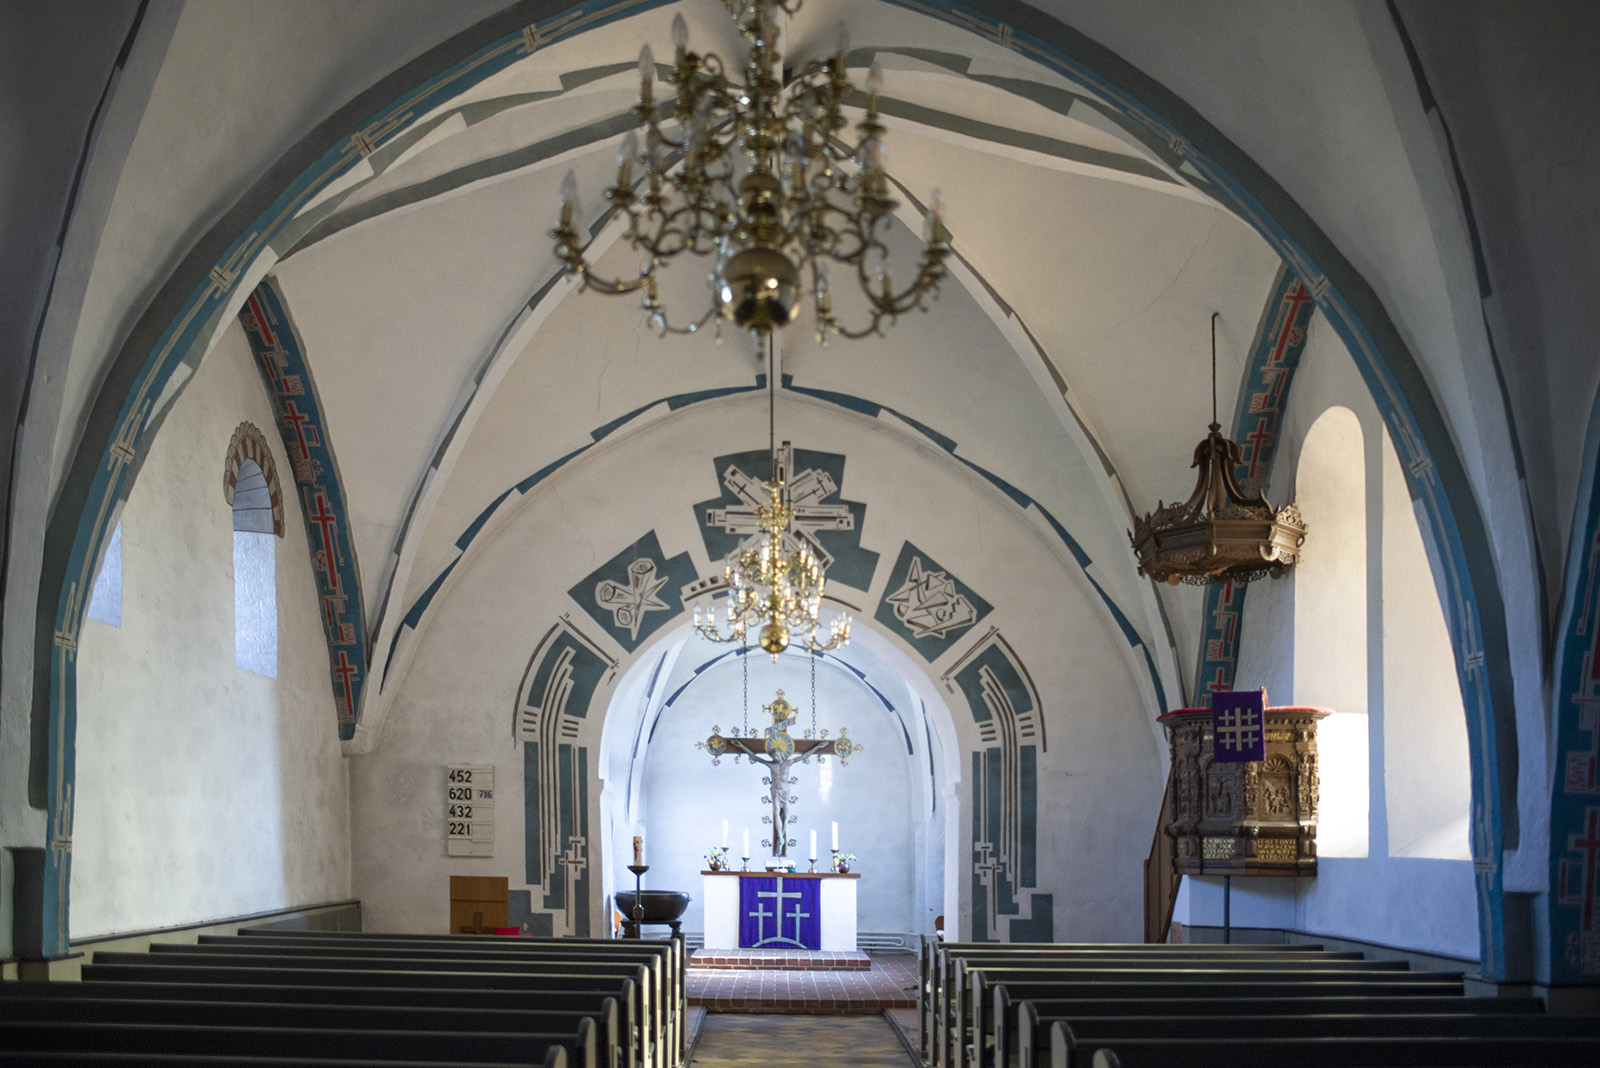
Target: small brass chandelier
<point>1219,534</point>
<point>759,177</point>
<point>775,587</point>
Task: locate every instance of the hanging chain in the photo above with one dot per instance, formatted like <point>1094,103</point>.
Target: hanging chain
<point>813,733</point>
<point>744,655</point>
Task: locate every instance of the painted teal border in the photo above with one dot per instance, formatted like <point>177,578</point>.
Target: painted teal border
<point>124,416</point>
<point>1575,785</point>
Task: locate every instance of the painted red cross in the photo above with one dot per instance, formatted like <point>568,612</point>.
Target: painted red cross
<point>343,670</point>
<point>261,320</point>
<point>1589,846</point>
<point>1221,682</point>
<point>1296,296</point>
<point>326,521</point>
<point>303,434</point>
<point>1258,438</point>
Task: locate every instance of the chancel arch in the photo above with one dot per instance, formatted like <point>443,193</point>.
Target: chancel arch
<point>982,655</point>
<point>896,801</point>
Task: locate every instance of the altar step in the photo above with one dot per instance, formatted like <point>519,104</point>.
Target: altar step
<point>806,960</point>
<point>890,983</point>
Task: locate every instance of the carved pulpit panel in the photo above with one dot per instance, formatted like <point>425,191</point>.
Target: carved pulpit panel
<point>1252,818</point>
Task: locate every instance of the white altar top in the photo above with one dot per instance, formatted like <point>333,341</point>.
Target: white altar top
<point>837,897</point>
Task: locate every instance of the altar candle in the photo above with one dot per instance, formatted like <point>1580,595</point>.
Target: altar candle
<point>813,843</point>
<point>836,836</point>
<point>746,852</point>
<point>638,850</point>
<point>724,834</point>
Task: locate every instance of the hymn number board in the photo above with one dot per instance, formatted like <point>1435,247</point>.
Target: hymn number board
<point>469,810</point>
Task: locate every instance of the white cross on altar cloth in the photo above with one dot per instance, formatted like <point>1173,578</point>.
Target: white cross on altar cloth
<point>778,896</point>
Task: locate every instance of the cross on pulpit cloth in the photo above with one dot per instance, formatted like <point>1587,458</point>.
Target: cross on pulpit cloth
<point>778,751</point>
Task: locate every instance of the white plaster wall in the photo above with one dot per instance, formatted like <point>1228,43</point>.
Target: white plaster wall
<point>1427,768</point>
<point>1403,900</point>
<point>1099,780</point>
<point>204,791</point>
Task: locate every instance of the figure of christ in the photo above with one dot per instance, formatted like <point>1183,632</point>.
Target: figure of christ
<point>778,751</point>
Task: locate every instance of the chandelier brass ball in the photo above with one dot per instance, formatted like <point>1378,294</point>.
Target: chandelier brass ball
<point>759,289</point>
<point>774,638</point>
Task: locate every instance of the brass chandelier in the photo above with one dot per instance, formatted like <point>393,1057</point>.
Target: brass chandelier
<point>775,584</point>
<point>1220,534</point>
<point>759,177</point>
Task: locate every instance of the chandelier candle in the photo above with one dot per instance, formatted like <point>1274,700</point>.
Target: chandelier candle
<point>761,178</point>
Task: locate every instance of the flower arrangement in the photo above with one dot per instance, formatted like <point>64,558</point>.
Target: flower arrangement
<point>717,858</point>
<point>842,861</point>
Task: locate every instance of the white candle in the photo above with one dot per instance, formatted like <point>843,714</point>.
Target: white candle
<point>724,834</point>
<point>813,844</point>
<point>638,850</point>
<point>836,836</point>
<point>746,852</point>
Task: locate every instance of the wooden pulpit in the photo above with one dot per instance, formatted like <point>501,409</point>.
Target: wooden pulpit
<point>1255,817</point>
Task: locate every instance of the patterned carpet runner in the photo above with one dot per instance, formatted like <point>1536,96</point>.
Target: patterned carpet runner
<point>780,1041</point>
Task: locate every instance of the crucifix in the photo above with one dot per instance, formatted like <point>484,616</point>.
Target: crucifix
<point>778,751</point>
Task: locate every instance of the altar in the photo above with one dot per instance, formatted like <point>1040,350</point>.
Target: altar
<point>780,910</point>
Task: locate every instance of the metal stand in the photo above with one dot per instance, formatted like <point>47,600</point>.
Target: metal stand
<point>835,865</point>
<point>745,865</point>
<point>813,865</point>
<point>638,898</point>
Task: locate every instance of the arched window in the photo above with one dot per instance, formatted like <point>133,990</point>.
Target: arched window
<point>105,603</point>
<point>1330,623</point>
<point>250,485</point>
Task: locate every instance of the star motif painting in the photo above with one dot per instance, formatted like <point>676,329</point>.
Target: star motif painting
<point>807,490</point>
<point>628,604</point>
<point>929,603</point>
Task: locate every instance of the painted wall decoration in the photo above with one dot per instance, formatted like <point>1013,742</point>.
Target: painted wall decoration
<point>824,521</point>
<point>926,605</point>
<point>250,444</point>
<point>559,683</point>
<point>1274,355</point>
<point>282,362</point>
<point>633,594</point>
<point>1005,904</point>
<point>1575,805</point>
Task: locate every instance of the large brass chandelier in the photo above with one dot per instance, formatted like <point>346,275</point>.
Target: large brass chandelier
<point>1220,534</point>
<point>775,584</point>
<point>758,176</point>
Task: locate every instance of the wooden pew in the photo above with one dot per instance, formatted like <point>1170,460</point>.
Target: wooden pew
<point>43,1007</point>
<point>1021,1027</point>
<point>953,987</point>
<point>1336,1051</point>
<point>627,987</point>
<point>295,1042</point>
<point>670,950</point>
<point>973,989</point>
<point>667,992</point>
<point>352,996</point>
<point>938,957</point>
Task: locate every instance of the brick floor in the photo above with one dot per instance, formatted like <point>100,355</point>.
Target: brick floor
<point>890,983</point>
<point>813,960</point>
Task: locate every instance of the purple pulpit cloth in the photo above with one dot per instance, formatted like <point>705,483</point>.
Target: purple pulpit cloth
<point>1238,726</point>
